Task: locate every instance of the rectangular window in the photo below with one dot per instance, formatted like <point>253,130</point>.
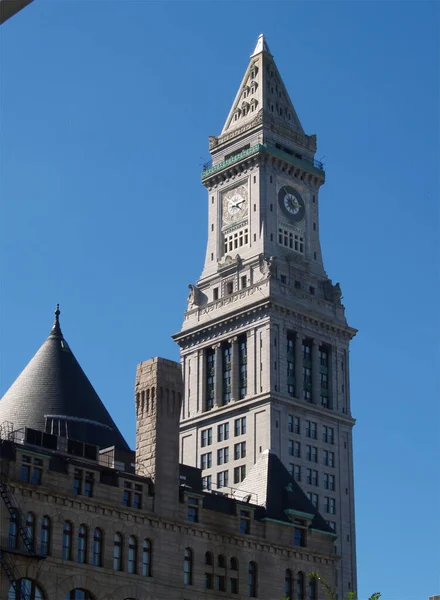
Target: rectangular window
<point>222,479</point>
<point>291,240</point>
<point>207,482</point>
<point>290,423</point>
<point>328,434</point>
<point>193,510</point>
<point>299,533</point>
<point>227,372</point>
<point>206,461</point>
<point>215,293</point>
<point>235,240</point>
<point>206,437</point>
<point>312,430</point>
<point>88,484</point>
<point>245,522</point>
<point>222,455</point>
<point>243,281</point>
<point>220,583</point>
<point>297,449</point>
<point>240,426</point>
<point>291,448</point>
<point>31,470</point>
<point>239,473</point>
<point>77,481</point>
<point>223,432</point>
<point>297,472</point>
<point>239,450</point>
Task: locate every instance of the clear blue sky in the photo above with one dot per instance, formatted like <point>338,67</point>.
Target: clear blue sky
<point>106,108</point>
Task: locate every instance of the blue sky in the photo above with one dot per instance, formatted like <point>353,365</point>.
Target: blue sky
<point>106,108</point>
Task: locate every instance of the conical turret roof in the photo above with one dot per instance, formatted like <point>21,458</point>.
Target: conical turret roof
<point>53,394</point>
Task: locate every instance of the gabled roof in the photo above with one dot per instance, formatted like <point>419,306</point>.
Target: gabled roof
<point>278,492</point>
<point>269,93</point>
<point>54,392</point>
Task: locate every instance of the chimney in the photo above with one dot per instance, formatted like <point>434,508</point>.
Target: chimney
<point>158,398</point>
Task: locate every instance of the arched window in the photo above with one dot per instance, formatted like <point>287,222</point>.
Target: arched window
<point>252,580</point>
<point>233,576</point>
<point>146,558</point>
<point>67,540</point>
<point>188,567</point>
<point>132,555</point>
<point>82,544</point>
<point>311,590</point>
<point>117,552</point>
<point>288,584</point>
<point>30,530</point>
<point>25,589</point>
<point>45,536</point>
<point>13,531</point>
<point>221,561</point>
<point>299,586</point>
<point>97,548</point>
<point>79,594</point>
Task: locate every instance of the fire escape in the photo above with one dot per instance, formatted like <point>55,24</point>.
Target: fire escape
<point>8,560</point>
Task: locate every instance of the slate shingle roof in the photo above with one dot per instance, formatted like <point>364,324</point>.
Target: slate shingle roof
<point>54,385</point>
<point>278,492</point>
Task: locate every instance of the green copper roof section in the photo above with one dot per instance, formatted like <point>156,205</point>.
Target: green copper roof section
<point>300,162</point>
<point>298,513</point>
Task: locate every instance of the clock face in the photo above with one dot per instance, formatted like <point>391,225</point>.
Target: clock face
<point>235,205</point>
<point>291,203</point>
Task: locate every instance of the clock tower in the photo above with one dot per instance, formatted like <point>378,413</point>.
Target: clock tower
<point>265,342</point>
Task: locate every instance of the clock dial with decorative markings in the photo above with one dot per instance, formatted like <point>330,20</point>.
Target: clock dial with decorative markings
<point>235,204</point>
<point>291,203</point>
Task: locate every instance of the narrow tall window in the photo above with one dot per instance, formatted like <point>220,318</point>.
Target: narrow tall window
<point>82,544</point>
<point>67,540</point>
<point>243,365</point>
<point>45,536</point>
<point>233,576</point>
<point>188,567</point>
<point>252,580</point>
<point>97,548</point>
<point>77,481</point>
<point>227,371</point>
<point>209,571</point>
<point>311,590</point>
<point>132,555</point>
<point>117,552</point>
<point>88,484</point>
<point>288,584</point>
<point>299,586</point>
<point>290,364</point>
<point>146,558</point>
<point>210,378</point>
<point>13,531</point>
<point>30,530</point>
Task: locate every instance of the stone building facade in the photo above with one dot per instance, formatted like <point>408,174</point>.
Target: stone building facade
<point>264,341</point>
<point>217,499</point>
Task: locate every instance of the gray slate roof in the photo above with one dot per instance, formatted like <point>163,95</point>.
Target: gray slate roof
<point>54,385</point>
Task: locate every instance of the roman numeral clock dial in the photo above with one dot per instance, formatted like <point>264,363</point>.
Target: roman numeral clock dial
<point>235,205</point>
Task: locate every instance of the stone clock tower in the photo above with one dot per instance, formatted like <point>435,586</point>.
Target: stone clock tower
<point>265,342</point>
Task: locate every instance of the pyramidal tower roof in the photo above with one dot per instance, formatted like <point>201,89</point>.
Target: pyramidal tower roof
<point>262,91</point>
<point>53,394</point>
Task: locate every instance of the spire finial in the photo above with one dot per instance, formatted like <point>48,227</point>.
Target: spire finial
<point>56,329</point>
<point>261,45</point>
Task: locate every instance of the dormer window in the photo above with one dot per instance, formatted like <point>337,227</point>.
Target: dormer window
<point>246,92</point>
<point>253,104</point>
<point>254,86</point>
<point>253,71</point>
<point>245,108</point>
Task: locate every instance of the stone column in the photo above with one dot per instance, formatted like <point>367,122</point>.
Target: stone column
<point>235,369</point>
<point>218,384</point>
<point>299,377</point>
<point>316,373</point>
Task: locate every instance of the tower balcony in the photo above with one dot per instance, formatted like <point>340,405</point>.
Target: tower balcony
<point>314,167</point>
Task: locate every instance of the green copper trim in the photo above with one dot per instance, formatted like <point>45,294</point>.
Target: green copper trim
<point>298,513</point>
<point>300,162</point>
<point>323,532</point>
<point>279,522</point>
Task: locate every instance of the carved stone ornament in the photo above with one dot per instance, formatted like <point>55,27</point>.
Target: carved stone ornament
<point>267,266</point>
<point>193,296</point>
